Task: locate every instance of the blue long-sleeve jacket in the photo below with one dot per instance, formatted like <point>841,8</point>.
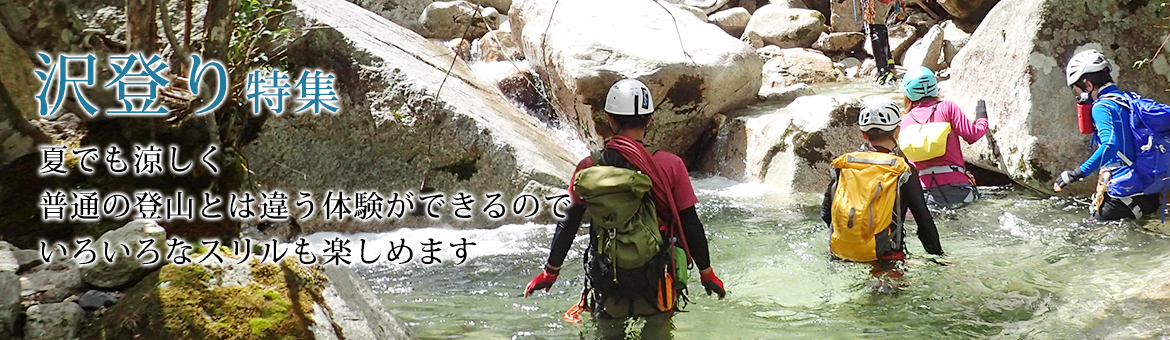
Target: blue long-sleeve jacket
<point>1113,135</point>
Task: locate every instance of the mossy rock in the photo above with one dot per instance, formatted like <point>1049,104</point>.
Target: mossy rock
<point>285,300</point>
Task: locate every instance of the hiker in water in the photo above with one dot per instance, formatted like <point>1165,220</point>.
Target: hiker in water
<point>871,189</point>
<point>643,225</point>
<point>874,13</point>
<point>1120,191</point>
<point>930,139</point>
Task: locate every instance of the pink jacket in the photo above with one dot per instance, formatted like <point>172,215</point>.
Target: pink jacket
<point>961,126</point>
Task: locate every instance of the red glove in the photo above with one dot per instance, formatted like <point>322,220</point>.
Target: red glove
<point>544,280</point>
<point>713,284</point>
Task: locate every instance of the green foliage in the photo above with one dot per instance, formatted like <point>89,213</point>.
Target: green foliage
<point>255,27</point>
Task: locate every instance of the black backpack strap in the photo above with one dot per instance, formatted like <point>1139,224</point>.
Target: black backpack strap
<point>596,157</point>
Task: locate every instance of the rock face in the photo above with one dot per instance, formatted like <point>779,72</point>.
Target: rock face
<point>452,19</point>
<point>838,42</point>
<point>789,4</point>
<point>732,20</point>
<point>393,134</point>
<point>1017,65</point>
<point>124,269</point>
<point>787,27</point>
<point>53,321</point>
<point>798,65</point>
<point>801,138</point>
<point>927,51</point>
<point>708,6</point>
<point>9,303</point>
<point>402,12</point>
<point>267,301</point>
<point>580,56</point>
<point>95,299</point>
<point>17,76</point>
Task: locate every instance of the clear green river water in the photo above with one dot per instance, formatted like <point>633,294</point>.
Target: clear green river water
<point>1020,267</point>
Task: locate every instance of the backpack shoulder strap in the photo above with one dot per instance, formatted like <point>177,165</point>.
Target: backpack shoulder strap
<point>596,157</point>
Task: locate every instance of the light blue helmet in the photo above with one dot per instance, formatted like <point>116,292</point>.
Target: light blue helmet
<point>919,82</point>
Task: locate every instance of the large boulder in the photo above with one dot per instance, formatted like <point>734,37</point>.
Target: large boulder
<point>732,20</point>
<point>693,69</point>
<point>789,4</point>
<point>123,269</point>
<point>968,10</point>
<point>402,12</point>
<point>787,27</point>
<point>285,300</point>
<point>396,132</point>
<point>927,51</point>
<point>798,65</point>
<point>1015,61</point>
<point>838,42</point>
<point>54,281</point>
<point>53,321</point>
<point>790,148</point>
<point>454,19</point>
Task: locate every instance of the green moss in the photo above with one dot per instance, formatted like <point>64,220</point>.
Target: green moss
<point>177,302</point>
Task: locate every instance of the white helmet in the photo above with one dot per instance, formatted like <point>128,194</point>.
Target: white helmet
<point>879,113</point>
<point>1088,61</point>
<point>629,97</point>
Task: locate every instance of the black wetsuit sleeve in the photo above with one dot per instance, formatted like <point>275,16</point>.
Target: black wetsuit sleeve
<point>827,204</point>
<point>912,197</point>
<point>566,232</point>
<point>696,237</point>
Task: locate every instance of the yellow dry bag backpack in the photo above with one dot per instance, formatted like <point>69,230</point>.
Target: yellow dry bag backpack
<point>924,141</point>
<point>865,202</point>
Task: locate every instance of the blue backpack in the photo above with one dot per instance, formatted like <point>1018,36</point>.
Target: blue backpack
<point>1150,124</point>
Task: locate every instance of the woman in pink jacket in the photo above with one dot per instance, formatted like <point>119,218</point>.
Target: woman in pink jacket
<point>944,177</point>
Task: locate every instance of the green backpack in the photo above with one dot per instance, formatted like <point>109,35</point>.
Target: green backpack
<point>619,204</point>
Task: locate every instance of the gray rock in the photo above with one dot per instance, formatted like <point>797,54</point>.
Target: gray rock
<point>790,148</point>
<point>18,77</point>
<point>927,51</point>
<point>53,321</point>
<point>10,296</point>
<point>8,261</point>
<point>1017,66</point>
<point>581,55</point>
<point>852,66</point>
<point>769,52</point>
<point>28,258</point>
<point>95,299</point>
<point>838,42</point>
<point>787,27</point>
<point>752,39</point>
<point>453,19</point>
<point>499,46</point>
<point>57,280</point>
<point>786,94</point>
<point>732,20</point>
<point>797,65</point>
<point>465,138</point>
<point>124,269</point>
<point>403,12</point>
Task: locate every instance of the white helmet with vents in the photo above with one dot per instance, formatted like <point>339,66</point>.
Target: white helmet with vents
<point>879,113</point>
